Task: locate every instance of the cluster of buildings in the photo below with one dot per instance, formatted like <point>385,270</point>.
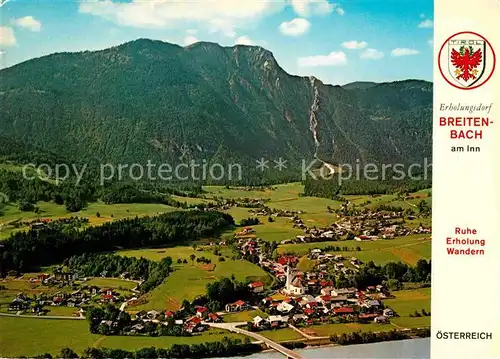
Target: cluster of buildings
<point>347,303</point>
<point>24,303</point>
<point>369,225</point>
<point>274,212</point>
<point>311,297</point>
<point>193,324</point>
<point>77,299</point>
<point>378,225</point>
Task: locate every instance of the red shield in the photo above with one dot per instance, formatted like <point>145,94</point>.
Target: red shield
<point>466,61</point>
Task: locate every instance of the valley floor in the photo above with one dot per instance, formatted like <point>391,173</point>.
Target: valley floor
<point>32,336</point>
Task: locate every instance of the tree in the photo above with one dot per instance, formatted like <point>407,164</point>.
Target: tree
<point>74,204</point>
<point>67,353</point>
<point>192,257</point>
<point>92,353</point>
<point>146,353</point>
<point>44,356</point>
<point>394,284</point>
<point>26,206</point>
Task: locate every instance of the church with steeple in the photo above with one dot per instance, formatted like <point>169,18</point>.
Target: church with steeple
<point>293,284</point>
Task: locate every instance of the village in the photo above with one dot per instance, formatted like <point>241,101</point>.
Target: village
<point>296,298</point>
<point>368,225</point>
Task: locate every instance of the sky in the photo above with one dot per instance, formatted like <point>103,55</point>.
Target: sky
<point>338,42</point>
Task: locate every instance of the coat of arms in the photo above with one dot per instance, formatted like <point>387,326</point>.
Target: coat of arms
<point>469,59</point>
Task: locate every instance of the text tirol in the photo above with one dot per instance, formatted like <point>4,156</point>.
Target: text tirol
<point>471,134</point>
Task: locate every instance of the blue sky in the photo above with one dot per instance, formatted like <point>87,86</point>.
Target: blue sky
<point>338,42</point>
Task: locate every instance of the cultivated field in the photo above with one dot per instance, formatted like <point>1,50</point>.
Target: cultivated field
<point>32,336</point>
<point>189,280</point>
<point>107,212</point>
<point>408,249</point>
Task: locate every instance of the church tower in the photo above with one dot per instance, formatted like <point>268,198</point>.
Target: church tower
<point>288,278</point>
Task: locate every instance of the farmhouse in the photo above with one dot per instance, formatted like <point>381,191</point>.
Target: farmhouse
<point>343,310</point>
<point>237,306</point>
<point>388,312</point>
<point>213,318</point>
<point>256,287</point>
<point>277,320</point>
<point>258,321</point>
<point>202,312</point>
<point>284,307</point>
<point>381,319</point>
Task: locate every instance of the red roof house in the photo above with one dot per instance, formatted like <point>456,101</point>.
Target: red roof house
<point>344,310</point>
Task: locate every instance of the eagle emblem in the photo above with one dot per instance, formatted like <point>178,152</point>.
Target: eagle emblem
<point>466,61</point>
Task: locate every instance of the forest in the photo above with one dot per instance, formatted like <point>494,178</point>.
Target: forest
<point>152,273</point>
<point>24,251</point>
<point>392,274</point>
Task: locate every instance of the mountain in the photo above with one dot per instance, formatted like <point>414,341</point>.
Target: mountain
<point>151,100</point>
<point>359,85</point>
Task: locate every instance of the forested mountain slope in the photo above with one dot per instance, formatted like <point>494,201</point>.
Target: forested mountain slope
<point>151,100</point>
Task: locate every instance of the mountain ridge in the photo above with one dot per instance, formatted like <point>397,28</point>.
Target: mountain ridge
<point>149,99</point>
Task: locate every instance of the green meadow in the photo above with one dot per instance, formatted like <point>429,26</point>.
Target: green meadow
<point>282,335</point>
<point>112,283</point>
<point>408,249</point>
<point>332,329</point>
<point>107,212</point>
<point>246,316</point>
<point>189,280</point>
<point>33,336</point>
<point>406,303</point>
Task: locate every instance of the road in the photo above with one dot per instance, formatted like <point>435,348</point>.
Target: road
<point>280,348</point>
<point>41,316</point>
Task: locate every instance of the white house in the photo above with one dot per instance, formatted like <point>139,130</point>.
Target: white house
<point>257,321</point>
<point>256,287</point>
<point>284,307</point>
<point>388,312</point>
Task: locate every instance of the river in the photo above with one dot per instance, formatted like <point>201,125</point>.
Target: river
<point>401,349</point>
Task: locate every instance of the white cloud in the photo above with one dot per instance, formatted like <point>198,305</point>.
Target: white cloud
<point>430,42</point>
<point>7,37</point>
<point>192,31</point>
<point>404,52</point>
<point>220,15</point>
<point>189,40</point>
<point>372,54</point>
<point>315,7</point>
<point>28,22</point>
<point>244,40</point>
<point>339,10</point>
<point>354,45</point>
<point>332,59</point>
<point>425,24</point>
<point>222,26</point>
<point>295,27</point>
